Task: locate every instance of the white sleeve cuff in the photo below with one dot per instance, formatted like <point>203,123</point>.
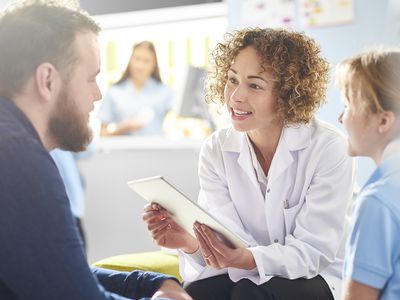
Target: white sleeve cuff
<point>196,257</point>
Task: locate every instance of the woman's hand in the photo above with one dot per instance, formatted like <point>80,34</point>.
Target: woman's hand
<point>132,124</point>
<point>165,231</point>
<point>124,127</point>
<point>218,255</point>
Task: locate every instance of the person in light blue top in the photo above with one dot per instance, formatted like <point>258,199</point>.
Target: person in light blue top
<point>137,103</point>
<point>74,186</point>
<point>371,85</point>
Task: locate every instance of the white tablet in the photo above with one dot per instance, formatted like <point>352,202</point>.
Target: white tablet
<point>184,211</point>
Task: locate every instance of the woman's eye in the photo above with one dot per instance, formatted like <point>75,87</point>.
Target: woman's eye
<point>232,80</point>
<point>255,86</point>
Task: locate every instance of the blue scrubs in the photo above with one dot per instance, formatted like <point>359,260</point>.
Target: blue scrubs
<point>123,100</point>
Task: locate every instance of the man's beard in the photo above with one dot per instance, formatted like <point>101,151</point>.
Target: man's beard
<point>67,126</point>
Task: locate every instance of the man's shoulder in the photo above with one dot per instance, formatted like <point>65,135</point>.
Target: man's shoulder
<point>27,174</point>
<point>14,136</point>
<point>14,126</point>
<point>19,146</point>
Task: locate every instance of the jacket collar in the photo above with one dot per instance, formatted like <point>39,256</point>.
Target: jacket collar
<point>11,114</point>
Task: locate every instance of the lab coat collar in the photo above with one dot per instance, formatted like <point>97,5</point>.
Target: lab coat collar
<point>292,139</point>
<point>297,137</point>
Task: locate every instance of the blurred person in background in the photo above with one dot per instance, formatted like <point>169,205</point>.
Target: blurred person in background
<point>137,103</point>
<point>74,186</point>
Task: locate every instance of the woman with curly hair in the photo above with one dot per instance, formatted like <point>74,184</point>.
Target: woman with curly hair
<point>278,178</point>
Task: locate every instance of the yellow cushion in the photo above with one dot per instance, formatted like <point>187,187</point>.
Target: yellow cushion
<point>157,261</point>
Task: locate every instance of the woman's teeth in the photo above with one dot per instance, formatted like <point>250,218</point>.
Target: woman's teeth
<point>241,113</point>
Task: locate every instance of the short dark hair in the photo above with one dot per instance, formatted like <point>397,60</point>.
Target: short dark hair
<point>34,32</point>
<point>300,72</point>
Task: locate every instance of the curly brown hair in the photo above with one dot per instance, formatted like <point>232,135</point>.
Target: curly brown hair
<point>295,61</point>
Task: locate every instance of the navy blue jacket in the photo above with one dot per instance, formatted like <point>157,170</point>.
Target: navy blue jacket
<point>41,254</point>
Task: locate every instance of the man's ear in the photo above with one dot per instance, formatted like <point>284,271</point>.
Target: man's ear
<point>387,121</point>
<point>47,80</point>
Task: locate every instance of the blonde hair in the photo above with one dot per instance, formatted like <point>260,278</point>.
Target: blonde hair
<point>378,73</point>
<point>299,71</point>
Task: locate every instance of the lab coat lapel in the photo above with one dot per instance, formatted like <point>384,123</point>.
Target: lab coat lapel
<point>292,139</point>
<point>281,161</point>
<point>237,142</point>
<point>281,179</point>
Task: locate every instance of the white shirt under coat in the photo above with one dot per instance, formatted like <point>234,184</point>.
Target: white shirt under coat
<point>297,225</point>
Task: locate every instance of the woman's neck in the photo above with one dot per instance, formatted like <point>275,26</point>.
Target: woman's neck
<point>265,143</point>
<point>138,83</point>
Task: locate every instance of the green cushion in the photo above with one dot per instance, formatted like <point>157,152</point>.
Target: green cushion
<point>157,261</point>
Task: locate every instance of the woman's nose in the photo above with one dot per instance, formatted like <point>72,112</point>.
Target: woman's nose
<point>97,93</point>
<point>340,118</point>
<point>239,94</point>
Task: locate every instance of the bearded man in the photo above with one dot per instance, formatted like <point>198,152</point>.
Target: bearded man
<point>49,60</point>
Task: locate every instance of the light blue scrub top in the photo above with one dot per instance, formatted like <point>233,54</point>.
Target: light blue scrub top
<point>123,100</point>
<point>373,248</point>
<point>70,175</point>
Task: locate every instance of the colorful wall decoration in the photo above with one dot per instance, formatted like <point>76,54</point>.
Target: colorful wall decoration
<point>315,13</point>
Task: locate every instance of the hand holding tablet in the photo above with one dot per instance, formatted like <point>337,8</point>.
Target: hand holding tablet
<point>183,211</point>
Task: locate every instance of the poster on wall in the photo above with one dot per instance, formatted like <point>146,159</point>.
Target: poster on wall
<point>268,13</point>
<point>315,13</point>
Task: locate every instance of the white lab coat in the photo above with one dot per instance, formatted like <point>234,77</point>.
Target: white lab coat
<point>299,228</point>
